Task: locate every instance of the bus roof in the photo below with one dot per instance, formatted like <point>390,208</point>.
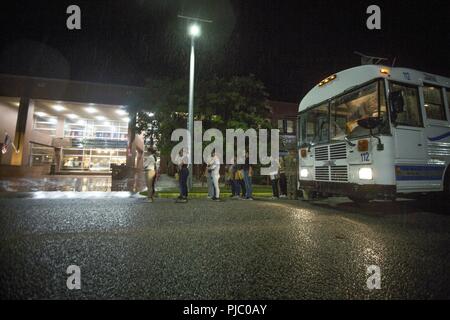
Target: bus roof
<point>347,79</point>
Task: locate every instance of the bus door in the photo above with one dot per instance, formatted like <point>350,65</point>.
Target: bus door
<point>408,131</point>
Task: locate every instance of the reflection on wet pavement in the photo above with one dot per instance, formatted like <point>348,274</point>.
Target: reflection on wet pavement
<point>72,183</point>
<point>56,183</point>
<point>82,184</point>
<point>81,195</point>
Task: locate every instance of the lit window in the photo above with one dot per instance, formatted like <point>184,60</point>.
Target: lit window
<point>411,115</point>
<point>281,126</point>
<point>289,126</point>
<point>41,155</point>
<point>434,103</point>
<point>45,123</point>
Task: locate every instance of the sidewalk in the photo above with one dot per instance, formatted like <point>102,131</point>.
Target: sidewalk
<point>166,182</point>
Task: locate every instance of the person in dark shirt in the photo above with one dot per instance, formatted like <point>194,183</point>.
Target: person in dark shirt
<point>248,172</point>
<point>283,179</point>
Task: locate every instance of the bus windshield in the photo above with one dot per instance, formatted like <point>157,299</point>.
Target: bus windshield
<point>338,118</point>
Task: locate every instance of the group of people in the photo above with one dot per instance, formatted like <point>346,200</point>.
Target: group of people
<point>238,177</point>
<point>151,171</point>
<point>284,178</point>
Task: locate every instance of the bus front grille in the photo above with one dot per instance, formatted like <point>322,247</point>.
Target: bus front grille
<point>338,151</point>
<point>321,153</point>
<point>322,173</point>
<point>333,152</point>
<point>339,173</point>
<point>328,166</point>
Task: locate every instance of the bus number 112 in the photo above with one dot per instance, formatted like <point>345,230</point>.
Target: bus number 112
<point>365,157</point>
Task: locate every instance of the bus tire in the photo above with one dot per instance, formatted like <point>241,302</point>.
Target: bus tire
<point>359,200</point>
<point>308,195</point>
<point>446,193</point>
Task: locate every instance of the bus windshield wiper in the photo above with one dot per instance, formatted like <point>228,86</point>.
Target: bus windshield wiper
<point>351,144</point>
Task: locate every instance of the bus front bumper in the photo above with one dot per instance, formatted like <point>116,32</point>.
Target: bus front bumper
<point>366,191</point>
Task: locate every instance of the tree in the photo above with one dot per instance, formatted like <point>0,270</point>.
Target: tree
<point>147,125</point>
<point>238,102</point>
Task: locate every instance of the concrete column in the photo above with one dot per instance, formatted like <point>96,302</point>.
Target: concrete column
<point>140,159</point>
<point>19,158</point>
<point>131,148</point>
<point>60,127</point>
<point>57,160</point>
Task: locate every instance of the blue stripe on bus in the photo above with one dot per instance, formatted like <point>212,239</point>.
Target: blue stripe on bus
<point>421,168</point>
<point>419,173</point>
<point>442,136</point>
<point>419,178</point>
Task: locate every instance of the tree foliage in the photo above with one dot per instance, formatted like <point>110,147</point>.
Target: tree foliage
<point>235,103</point>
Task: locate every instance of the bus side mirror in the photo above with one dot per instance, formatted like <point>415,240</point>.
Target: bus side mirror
<point>397,101</point>
<point>369,123</point>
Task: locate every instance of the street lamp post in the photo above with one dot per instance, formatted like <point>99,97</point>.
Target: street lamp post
<point>194,32</point>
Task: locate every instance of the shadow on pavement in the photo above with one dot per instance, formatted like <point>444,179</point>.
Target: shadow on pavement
<point>383,208</point>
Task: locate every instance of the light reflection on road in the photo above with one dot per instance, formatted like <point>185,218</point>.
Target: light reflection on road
<point>81,195</point>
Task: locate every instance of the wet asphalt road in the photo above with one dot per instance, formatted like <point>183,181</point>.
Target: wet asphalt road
<point>231,250</point>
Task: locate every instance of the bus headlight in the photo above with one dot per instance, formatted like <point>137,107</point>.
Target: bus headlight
<point>304,173</point>
<point>365,174</point>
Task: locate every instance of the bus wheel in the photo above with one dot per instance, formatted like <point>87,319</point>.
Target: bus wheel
<point>392,198</point>
<point>446,195</point>
<point>309,195</point>
<point>358,200</point>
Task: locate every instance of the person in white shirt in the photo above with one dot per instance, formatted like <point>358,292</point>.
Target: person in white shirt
<point>209,182</point>
<point>275,178</point>
<point>150,169</point>
<point>182,161</point>
<point>214,169</point>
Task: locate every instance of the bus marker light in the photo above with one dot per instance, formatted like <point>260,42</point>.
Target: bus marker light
<point>363,145</point>
<point>385,71</point>
<point>327,80</point>
<point>365,174</point>
<point>303,153</point>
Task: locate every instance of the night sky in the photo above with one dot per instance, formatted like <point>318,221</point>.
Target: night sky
<point>289,45</point>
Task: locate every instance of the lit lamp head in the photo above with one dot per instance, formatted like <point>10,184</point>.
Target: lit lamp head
<point>194,30</point>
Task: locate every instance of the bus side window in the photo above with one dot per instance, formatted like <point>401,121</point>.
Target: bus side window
<point>412,115</point>
<point>384,128</point>
<point>434,103</point>
<point>448,100</point>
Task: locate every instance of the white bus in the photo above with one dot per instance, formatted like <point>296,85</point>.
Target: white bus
<point>375,132</point>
